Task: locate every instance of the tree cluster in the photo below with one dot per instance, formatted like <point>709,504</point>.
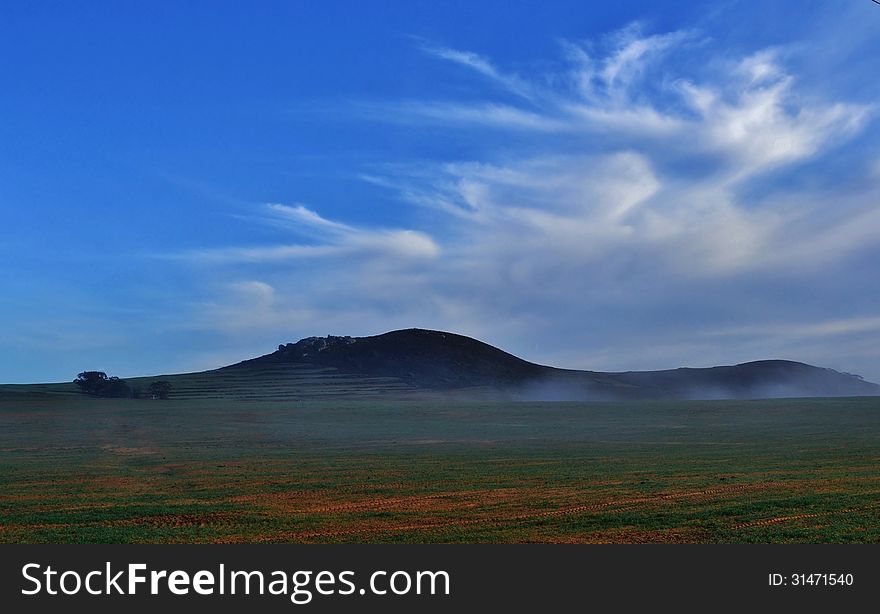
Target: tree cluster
<point>97,383</point>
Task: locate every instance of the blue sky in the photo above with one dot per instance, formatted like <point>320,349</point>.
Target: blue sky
<point>613,186</point>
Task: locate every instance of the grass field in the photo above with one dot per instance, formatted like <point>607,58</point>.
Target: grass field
<point>76,469</point>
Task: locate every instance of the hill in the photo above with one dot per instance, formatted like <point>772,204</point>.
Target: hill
<point>424,362</point>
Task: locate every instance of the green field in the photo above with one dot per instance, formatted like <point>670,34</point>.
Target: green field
<point>376,469</point>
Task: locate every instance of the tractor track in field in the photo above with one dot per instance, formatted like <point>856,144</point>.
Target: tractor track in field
<point>501,493</point>
<point>764,522</point>
<point>614,505</point>
<point>391,503</point>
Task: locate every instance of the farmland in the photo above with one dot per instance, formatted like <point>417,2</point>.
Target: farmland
<point>385,468</point>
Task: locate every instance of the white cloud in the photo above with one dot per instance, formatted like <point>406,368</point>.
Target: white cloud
<point>334,239</point>
<point>738,125</point>
<point>763,124</point>
<point>299,214</point>
<point>273,253</point>
<point>790,330</point>
<point>609,80</point>
<point>483,66</point>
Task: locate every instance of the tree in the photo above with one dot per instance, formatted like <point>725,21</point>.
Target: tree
<point>160,389</point>
<point>92,382</point>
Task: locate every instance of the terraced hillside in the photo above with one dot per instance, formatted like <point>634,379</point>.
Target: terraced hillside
<point>276,382</point>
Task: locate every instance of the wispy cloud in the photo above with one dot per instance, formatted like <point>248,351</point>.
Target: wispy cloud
<point>795,330</point>
<point>300,215</point>
<point>489,115</point>
<point>510,82</point>
<point>330,238</point>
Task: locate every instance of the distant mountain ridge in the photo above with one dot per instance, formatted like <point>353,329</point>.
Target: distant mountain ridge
<point>443,361</point>
<point>425,364</point>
